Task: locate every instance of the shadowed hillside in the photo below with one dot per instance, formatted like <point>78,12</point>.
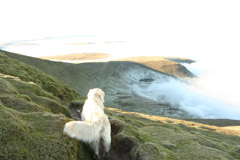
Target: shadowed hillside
<point>117,78</point>
<point>32,120</point>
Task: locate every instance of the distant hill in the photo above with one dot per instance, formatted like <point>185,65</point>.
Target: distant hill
<point>77,56</point>
<point>167,65</point>
<point>32,120</point>
<point>171,66</point>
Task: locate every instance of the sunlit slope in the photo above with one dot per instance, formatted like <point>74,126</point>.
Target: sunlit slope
<point>78,56</point>
<point>167,65</point>
<point>154,138</point>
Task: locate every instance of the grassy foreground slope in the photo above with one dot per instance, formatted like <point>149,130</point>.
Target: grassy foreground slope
<point>32,118</point>
<point>29,128</point>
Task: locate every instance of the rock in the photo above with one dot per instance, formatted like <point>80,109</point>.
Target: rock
<point>116,127</point>
<point>169,145</point>
<point>122,147</point>
<point>75,108</point>
<point>148,151</point>
<point>77,104</point>
<point>146,80</point>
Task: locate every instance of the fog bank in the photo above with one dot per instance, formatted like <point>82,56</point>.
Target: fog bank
<point>212,94</point>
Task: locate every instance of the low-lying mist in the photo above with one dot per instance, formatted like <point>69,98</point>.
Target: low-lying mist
<point>204,96</point>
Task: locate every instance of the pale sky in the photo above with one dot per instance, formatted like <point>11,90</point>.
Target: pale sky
<point>166,26</point>
<point>177,22</point>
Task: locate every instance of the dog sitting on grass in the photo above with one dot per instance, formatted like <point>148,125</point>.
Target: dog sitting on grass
<point>94,125</point>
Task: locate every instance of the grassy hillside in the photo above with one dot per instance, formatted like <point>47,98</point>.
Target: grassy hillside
<point>78,56</point>
<point>27,73</point>
<point>32,117</point>
<point>154,138</point>
<point>32,120</point>
<point>78,76</point>
<point>161,64</point>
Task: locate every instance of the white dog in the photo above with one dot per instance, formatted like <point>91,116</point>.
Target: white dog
<point>95,124</point>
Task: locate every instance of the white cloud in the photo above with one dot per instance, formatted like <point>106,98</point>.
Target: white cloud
<point>189,97</point>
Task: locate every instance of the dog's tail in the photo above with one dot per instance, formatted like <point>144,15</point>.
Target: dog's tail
<point>84,131</point>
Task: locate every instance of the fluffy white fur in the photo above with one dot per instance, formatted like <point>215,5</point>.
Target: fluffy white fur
<point>94,124</point>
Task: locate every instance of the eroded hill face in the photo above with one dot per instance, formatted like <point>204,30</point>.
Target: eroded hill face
<point>166,65</point>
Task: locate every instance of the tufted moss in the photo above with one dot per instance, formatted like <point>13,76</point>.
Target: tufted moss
<point>29,97</point>
<point>32,124</point>
<point>21,104</point>
<point>32,117</point>
<point>34,136</point>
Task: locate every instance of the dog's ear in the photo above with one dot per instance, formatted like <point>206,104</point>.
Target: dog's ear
<point>101,94</point>
<point>96,92</point>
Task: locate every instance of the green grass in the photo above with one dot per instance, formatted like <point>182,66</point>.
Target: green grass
<point>32,117</point>
<point>170,139</point>
<point>28,73</point>
<point>34,136</point>
<point>32,122</point>
<point>28,97</point>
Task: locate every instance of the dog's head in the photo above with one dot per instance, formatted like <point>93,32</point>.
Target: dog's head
<point>96,93</point>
